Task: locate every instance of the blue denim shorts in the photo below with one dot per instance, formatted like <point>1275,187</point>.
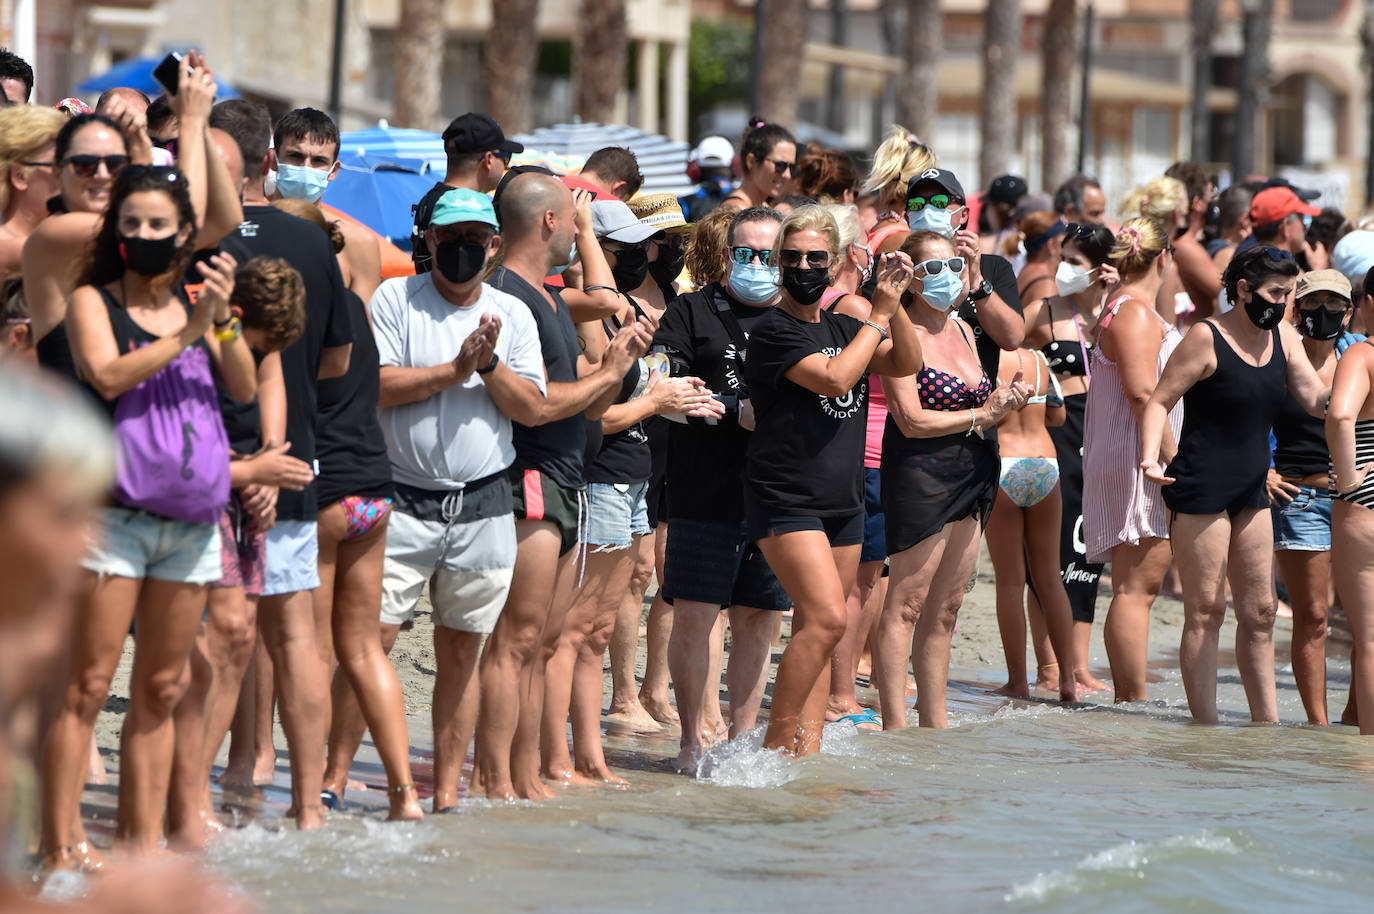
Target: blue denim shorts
<point>136,544</point>
<point>616,513</point>
<point>1304,524</point>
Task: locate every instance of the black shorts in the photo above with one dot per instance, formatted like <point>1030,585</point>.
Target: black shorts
<point>762,520</point>
<point>714,562</point>
<point>538,497</point>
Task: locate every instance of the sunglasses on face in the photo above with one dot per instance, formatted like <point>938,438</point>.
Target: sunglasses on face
<point>939,201</point>
<point>782,167</point>
<point>792,258</point>
<point>743,255</point>
<point>935,267</point>
<point>86,166</point>
<point>676,241</point>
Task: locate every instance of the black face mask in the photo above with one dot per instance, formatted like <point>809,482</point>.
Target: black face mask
<point>631,266</point>
<point>806,285</point>
<point>1320,324</point>
<point>148,256</point>
<point>460,260</point>
<point>668,266</point>
<point>1263,313</point>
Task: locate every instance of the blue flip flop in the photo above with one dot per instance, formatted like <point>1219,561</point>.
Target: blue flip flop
<point>330,800</point>
<point>866,716</point>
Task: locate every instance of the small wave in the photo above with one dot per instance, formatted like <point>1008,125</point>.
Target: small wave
<point>1129,859</point>
<point>743,762</point>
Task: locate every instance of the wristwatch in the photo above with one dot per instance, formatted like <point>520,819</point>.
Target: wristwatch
<point>980,293</point>
<point>491,366</point>
<point>229,331</point>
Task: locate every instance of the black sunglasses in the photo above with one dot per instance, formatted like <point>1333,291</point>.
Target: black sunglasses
<point>783,167</point>
<point>86,166</point>
<point>794,258</point>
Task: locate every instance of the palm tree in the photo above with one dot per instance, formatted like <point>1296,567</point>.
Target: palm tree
<point>1257,24</point>
<point>508,61</point>
<point>418,63</point>
<point>918,99</point>
<point>1204,24</point>
<point>1000,51</point>
<point>1058,62</point>
<point>783,40</point>
<point>599,55</point>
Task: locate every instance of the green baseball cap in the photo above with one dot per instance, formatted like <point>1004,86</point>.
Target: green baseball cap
<point>464,205</point>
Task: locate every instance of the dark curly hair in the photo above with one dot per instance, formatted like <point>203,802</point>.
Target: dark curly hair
<point>105,263</point>
<point>826,174</point>
<point>270,294</point>
<point>1255,265</point>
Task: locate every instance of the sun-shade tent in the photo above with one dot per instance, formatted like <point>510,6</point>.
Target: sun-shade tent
<point>379,194</point>
<point>137,73</point>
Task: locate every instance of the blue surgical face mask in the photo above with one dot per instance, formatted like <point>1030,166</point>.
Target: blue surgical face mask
<point>301,182</point>
<point>943,289</point>
<point>1306,222</point>
<point>932,219</point>
<point>753,283</point>
<point>572,255</point>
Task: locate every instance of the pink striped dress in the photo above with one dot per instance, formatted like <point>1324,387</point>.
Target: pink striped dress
<point>1119,504</point>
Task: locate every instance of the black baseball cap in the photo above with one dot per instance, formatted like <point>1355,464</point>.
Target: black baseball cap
<point>940,176</point>
<point>1007,189</point>
<point>473,132</point>
<point>1306,195</point>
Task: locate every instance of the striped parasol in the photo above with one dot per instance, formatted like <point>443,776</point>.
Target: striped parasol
<point>662,161</point>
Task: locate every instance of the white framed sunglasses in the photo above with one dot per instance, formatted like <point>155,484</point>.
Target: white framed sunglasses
<point>934,267</point>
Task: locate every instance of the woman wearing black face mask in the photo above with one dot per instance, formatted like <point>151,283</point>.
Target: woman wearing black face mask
<point>1300,500</point>
<point>149,355</point>
<point>1233,373</point>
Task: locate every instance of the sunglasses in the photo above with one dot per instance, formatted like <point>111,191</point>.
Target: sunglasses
<point>936,267</point>
<point>1276,255</point>
<point>677,241</point>
<point>39,164</point>
<point>782,167</point>
<point>743,255</point>
<point>939,201</point>
<point>502,155</point>
<point>1077,230</point>
<point>86,166</point>
<point>791,258</point>
<point>169,173</point>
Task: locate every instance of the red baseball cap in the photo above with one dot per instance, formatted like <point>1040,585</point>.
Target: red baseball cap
<point>1274,204</point>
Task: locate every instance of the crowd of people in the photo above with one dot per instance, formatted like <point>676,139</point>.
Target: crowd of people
<point>810,387</point>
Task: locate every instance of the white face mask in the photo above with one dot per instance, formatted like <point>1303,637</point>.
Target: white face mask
<point>1070,279</point>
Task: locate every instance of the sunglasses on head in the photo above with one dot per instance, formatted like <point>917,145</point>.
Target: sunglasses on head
<point>782,167</point>
<point>793,258</point>
<point>934,267</point>
<point>1077,230</point>
<point>1276,255</point>
<point>939,201</point>
<point>86,166</point>
<point>169,173</point>
<point>743,255</point>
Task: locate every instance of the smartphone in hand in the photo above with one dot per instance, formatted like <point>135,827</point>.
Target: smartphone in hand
<point>166,72</point>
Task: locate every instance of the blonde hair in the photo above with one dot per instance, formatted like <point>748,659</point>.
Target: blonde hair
<point>24,130</point>
<point>811,218</point>
<point>310,212</point>
<point>1138,243</point>
<point>846,216</point>
<point>900,158</point>
<point>1157,200</point>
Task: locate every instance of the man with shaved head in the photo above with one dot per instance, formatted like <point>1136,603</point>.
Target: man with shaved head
<point>539,222</point>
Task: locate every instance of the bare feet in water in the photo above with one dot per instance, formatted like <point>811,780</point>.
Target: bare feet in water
<point>659,708</point>
<point>1088,683</point>
<point>634,716</point>
<point>405,804</point>
<point>1047,678</point>
<point>1012,690</point>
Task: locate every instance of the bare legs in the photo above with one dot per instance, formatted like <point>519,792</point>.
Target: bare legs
<point>1245,544</point>
<point>923,603</point>
<point>653,693</point>
<point>351,585</point>
<point>689,661</point>
<point>624,642</point>
<point>818,578</point>
<point>287,622</point>
<point>860,613</point>
<point>457,697</point>
<point>1306,574</point>
<point>346,724</point>
<point>1137,572</point>
<point>1352,543</point>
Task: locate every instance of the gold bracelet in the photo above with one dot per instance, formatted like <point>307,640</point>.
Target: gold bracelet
<point>232,331</point>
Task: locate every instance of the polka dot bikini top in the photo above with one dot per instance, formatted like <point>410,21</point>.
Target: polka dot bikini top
<point>943,391</point>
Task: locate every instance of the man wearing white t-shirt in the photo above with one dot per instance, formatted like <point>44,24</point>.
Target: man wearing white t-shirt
<point>441,336</point>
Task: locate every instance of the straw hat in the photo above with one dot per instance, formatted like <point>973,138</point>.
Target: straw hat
<point>662,211</point>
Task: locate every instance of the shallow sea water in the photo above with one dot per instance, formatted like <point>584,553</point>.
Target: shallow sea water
<point>1019,806</point>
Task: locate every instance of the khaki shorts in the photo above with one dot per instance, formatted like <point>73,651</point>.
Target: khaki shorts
<point>461,543</point>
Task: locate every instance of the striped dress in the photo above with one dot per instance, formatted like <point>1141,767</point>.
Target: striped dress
<point>1119,504</point>
<point>1364,453</point>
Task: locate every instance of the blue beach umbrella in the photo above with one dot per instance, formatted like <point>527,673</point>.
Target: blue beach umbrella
<point>416,150</point>
<point>379,193</point>
<point>137,73</point>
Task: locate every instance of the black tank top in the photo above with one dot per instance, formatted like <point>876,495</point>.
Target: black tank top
<point>1300,441</point>
<point>1223,450</point>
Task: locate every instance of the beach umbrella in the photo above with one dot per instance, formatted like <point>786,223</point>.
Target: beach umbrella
<point>379,194</point>
<point>137,73</point>
<point>662,161</point>
<point>416,150</point>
